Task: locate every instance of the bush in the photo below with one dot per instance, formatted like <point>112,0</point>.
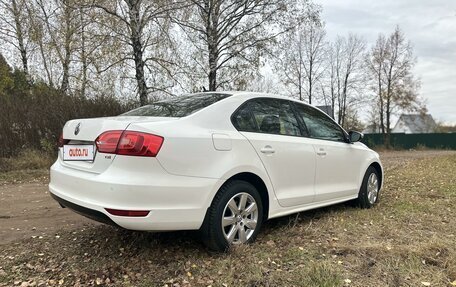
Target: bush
<point>32,115</point>
<point>27,159</point>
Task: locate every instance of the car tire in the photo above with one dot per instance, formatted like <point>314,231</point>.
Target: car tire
<point>234,217</point>
<point>369,192</point>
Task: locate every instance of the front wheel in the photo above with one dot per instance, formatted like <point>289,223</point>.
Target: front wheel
<point>370,188</point>
<point>234,217</point>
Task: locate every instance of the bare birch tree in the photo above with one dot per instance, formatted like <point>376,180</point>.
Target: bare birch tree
<point>14,29</point>
<point>301,58</point>
<point>58,22</point>
<point>332,82</point>
<point>375,65</point>
<point>140,24</point>
<point>391,62</point>
<point>94,48</point>
<point>315,50</point>
<point>346,74</point>
<point>228,33</point>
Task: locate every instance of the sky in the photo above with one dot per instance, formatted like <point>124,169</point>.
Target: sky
<point>430,25</point>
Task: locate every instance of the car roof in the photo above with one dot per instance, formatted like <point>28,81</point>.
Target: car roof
<point>251,95</point>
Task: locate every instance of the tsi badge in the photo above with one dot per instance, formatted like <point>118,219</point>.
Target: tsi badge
<point>77,129</point>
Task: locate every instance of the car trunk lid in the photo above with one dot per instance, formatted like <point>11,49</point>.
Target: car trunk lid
<point>86,131</point>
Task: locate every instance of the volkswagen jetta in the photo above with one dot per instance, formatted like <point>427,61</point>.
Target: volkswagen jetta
<point>219,162</point>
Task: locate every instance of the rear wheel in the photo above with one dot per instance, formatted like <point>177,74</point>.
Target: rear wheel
<point>234,217</point>
<point>370,188</point>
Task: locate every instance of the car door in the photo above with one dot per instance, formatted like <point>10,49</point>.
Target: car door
<point>272,128</point>
<point>338,161</point>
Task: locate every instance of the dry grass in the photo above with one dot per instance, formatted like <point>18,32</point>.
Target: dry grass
<point>24,176</point>
<point>407,239</point>
<point>28,159</point>
<point>29,166</point>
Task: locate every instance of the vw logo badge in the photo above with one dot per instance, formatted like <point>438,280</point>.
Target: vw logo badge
<point>77,129</point>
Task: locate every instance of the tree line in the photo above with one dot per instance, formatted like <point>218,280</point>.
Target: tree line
<point>32,114</point>
<point>146,50</point>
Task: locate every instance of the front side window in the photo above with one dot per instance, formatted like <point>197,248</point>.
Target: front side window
<point>271,116</point>
<point>177,106</point>
<point>319,125</point>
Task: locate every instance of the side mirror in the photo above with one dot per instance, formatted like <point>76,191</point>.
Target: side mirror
<point>355,136</point>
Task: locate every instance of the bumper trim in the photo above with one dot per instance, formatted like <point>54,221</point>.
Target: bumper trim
<point>84,211</point>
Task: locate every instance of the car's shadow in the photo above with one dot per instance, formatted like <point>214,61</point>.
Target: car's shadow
<point>108,241</point>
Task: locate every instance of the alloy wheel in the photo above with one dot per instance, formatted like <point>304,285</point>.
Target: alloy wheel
<point>239,218</point>
<point>372,188</point>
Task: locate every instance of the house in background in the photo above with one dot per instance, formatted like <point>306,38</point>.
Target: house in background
<point>415,124</point>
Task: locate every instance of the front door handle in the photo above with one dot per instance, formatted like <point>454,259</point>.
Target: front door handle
<point>267,150</point>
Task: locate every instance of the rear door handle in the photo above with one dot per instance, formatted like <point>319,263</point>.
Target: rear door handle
<point>267,150</point>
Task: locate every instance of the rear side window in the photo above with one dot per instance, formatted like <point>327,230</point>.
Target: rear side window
<point>319,125</point>
<point>243,120</point>
<point>271,116</point>
<point>177,106</point>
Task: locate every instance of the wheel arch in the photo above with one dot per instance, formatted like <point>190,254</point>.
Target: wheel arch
<point>259,184</point>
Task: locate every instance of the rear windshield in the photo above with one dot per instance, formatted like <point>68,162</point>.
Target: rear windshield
<point>177,106</point>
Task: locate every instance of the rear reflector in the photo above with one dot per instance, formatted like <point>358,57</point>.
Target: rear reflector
<point>129,143</point>
<point>128,213</point>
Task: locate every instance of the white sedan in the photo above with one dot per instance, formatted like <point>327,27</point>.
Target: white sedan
<point>219,162</point>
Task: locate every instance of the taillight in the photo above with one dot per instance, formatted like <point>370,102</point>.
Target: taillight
<point>129,143</point>
<point>61,141</point>
<point>107,141</point>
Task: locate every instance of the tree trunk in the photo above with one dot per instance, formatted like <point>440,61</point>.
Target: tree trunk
<point>213,9</point>
<point>20,38</point>
<point>300,78</point>
<point>380,97</point>
<point>135,37</point>
<point>382,120</point>
<point>389,95</point>
<point>310,92</point>
<point>388,122</point>
<point>343,110</point>
<point>45,63</point>
<point>65,78</point>
<point>139,70</point>
<point>388,109</point>
<point>68,10</point>
<point>212,71</point>
<point>66,64</point>
<point>310,79</point>
<point>83,55</point>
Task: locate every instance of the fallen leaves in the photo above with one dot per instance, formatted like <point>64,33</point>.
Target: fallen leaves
<point>282,256</point>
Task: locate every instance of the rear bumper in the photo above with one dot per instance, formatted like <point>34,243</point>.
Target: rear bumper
<point>129,183</point>
<point>87,212</point>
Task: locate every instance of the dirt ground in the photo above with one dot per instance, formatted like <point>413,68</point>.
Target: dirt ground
<point>27,210</point>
